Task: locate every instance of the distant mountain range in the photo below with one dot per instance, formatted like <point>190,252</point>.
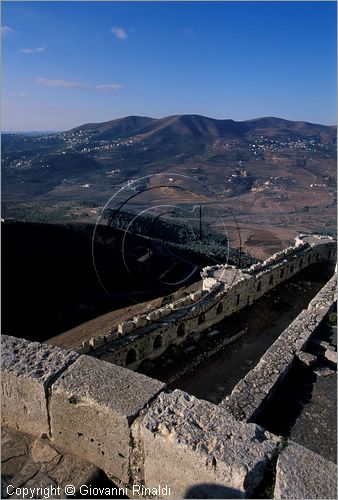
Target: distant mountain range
<point>88,161</point>
<point>196,127</point>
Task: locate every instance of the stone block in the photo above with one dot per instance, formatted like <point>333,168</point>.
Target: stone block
<point>28,368</point>
<point>111,336</point>
<point>331,356</point>
<point>153,315</point>
<point>140,321</point>
<point>92,407</point>
<point>83,349</point>
<point>189,442</point>
<point>126,327</point>
<point>300,473</point>
<point>307,359</point>
<point>196,295</point>
<point>97,342</point>
<point>164,311</point>
<point>42,451</point>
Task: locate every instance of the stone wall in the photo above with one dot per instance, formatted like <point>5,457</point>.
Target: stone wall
<point>226,290</point>
<point>154,442</point>
<point>143,435</point>
<point>255,389</point>
<point>127,424</point>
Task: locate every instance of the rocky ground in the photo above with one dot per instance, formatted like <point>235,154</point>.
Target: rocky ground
<point>27,462</point>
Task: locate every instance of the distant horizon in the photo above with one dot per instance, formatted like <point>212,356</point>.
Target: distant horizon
<point>238,59</point>
<point>158,118</point>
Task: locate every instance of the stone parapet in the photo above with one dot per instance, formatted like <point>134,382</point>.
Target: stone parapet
<point>300,473</point>
<point>92,407</point>
<point>28,370</point>
<point>128,425</point>
<point>190,444</point>
<point>226,290</point>
<point>253,391</point>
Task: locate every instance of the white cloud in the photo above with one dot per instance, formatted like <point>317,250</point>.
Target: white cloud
<point>120,33</point>
<point>60,83</point>
<point>6,29</point>
<point>109,87</point>
<point>33,51</point>
<point>18,94</point>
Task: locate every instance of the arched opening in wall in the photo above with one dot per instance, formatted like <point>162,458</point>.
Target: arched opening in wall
<point>237,299</point>
<point>157,342</point>
<point>282,273</point>
<point>131,357</point>
<point>292,268</point>
<point>219,309</point>
<point>259,286</point>
<point>201,319</point>
<point>271,280</point>
<point>300,263</point>
<point>181,330</point>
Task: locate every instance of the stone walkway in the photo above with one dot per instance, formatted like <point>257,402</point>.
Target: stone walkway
<point>27,462</point>
<point>304,408</point>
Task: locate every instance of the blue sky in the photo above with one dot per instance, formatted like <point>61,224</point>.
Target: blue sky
<point>69,63</point>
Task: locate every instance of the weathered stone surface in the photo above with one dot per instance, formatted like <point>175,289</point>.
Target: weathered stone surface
<point>111,336</point>
<point>303,474</point>
<point>126,327</point>
<point>35,464</point>
<point>324,371</point>
<point>331,356</point>
<point>47,467</point>
<point>97,341</point>
<point>250,394</point>
<point>92,406</point>
<point>73,470</point>
<point>27,369</point>
<point>221,283</point>
<point>307,359</point>
<point>14,452</point>
<point>42,451</point>
<point>187,442</point>
<point>12,466</point>
<point>13,444</point>
<point>25,474</point>
<point>37,484</point>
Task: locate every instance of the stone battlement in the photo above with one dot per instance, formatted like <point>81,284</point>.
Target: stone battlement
<point>140,433</point>
<point>226,290</point>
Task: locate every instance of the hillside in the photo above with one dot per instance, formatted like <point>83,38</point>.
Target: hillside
<point>278,176</point>
<point>196,127</point>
